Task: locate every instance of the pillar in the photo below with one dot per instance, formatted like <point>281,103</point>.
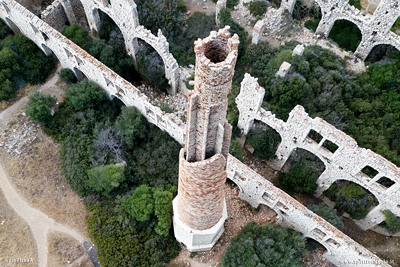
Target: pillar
<point>257,31</point>
<point>200,208</point>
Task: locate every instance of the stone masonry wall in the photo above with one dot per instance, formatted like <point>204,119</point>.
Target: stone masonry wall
<point>346,163</point>
<point>73,57</point>
<point>124,14</point>
<point>55,15</point>
<point>375,29</point>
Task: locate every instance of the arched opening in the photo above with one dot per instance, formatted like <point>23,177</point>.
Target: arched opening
<point>79,74</point>
<point>109,29</point>
<point>151,66</point>
<point>12,25</point>
<point>47,51</point>
<point>262,141</point>
<point>367,6</point>
<point>351,198</point>
<point>346,34</point>
<point>314,253</point>
<point>300,172</point>
<point>383,52</point>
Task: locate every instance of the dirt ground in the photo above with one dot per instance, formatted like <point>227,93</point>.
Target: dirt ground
<point>16,239</point>
<point>36,176</point>
<point>66,251</point>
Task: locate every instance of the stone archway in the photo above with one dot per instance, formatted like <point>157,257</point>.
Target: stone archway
<point>13,26</point>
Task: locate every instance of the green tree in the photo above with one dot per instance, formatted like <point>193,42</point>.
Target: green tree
<point>163,210</point>
<point>328,213</point>
<point>140,204</point>
<point>133,126</point>
<point>67,75</point>
<point>299,179</point>
<point>236,150</point>
<point>77,35</point>
<point>268,245</point>
<point>264,143</point>
<point>85,95</point>
<point>392,222</point>
<point>105,179</point>
<point>39,107</point>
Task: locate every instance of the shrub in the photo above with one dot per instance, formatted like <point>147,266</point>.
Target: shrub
<point>39,107</point>
<point>392,222</point>
<point>67,75</point>
<point>123,241</point>
<point>77,35</point>
<point>236,150</point>
<point>328,213</point>
<point>85,95</point>
<point>351,198</point>
<point>182,6</point>
<point>258,8</point>
<point>140,205</point>
<point>299,179</point>
<point>268,245</point>
<point>264,143</point>
<point>312,24</point>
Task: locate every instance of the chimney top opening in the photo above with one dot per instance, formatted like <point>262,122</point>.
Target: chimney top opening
<point>216,50</point>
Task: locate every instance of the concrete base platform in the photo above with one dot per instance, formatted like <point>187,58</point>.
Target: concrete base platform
<point>197,240</point>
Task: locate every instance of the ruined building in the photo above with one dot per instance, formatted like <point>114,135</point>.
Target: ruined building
<point>200,208</point>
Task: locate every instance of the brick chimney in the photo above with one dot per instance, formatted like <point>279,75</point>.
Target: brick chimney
<point>199,208</point>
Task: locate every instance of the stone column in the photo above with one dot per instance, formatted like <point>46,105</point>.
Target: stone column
<point>200,208</point>
<point>69,11</point>
<point>257,31</point>
<point>374,217</point>
<point>221,4</point>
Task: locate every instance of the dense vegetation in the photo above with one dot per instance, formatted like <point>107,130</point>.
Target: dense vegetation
<point>268,245</point>
<point>346,34</point>
<point>258,8</point>
<point>392,222</point>
<point>328,213</point>
<point>351,198</point>
<point>108,153</point>
<point>21,62</point>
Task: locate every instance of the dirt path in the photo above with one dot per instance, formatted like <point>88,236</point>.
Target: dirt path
<point>39,223</point>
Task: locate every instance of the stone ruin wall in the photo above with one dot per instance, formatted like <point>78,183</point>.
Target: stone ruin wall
<point>345,163</point>
<point>375,29</point>
<point>55,15</point>
<point>124,14</point>
<point>73,57</point>
<point>81,63</point>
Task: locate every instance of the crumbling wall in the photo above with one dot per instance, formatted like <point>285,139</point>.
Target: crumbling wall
<point>341,249</point>
<point>345,163</point>
<point>75,58</point>
<point>55,15</point>
<point>375,29</point>
<point>124,14</point>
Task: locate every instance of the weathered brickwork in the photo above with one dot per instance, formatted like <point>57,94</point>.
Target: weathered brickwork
<point>297,216</point>
<point>200,203</point>
<point>345,163</point>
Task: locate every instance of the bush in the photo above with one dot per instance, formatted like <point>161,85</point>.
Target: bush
<point>67,76</point>
<point>312,24</point>
<point>140,205</point>
<point>268,245</point>
<point>85,95</point>
<point>392,222</point>
<point>264,143</point>
<point>328,213</point>
<point>258,8</point>
<point>39,107</point>
<point>182,6</point>
<point>299,179</point>
<point>123,241</point>
<point>346,34</point>
<point>351,198</point>
<point>236,150</point>
<point>105,179</point>
<point>4,29</point>
<point>77,35</point>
